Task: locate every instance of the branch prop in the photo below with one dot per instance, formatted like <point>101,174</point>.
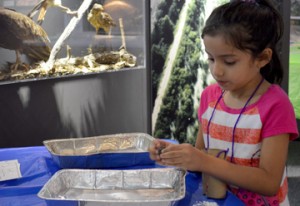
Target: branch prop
<point>122,33</point>
<point>66,33</point>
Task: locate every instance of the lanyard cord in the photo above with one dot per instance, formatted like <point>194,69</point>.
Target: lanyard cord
<point>211,116</point>
<point>236,122</point>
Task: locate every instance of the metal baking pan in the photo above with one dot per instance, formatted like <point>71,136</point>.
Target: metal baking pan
<point>158,186</point>
<point>101,152</point>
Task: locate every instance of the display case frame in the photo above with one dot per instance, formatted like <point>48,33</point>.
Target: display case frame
<point>129,34</point>
<point>100,103</point>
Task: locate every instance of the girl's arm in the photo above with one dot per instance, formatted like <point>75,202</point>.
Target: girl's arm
<point>265,179</point>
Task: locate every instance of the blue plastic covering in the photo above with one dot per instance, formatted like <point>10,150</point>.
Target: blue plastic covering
<point>37,167</point>
<point>103,160</point>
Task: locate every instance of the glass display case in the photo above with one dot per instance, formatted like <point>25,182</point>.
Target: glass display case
<point>85,37</point>
<point>91,83</point>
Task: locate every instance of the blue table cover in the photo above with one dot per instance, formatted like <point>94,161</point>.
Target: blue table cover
<point>37,167</point>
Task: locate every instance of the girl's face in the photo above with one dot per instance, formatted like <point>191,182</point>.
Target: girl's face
<point>233,69</point>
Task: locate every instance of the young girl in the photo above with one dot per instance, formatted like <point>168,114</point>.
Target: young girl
<point>246,112</point>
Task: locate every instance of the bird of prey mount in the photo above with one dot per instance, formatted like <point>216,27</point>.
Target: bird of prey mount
<point>20,33</point>
<point>43,6</point>
<point>100,19</point>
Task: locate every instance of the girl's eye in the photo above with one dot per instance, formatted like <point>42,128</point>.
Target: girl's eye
<point>210,59</point>
<point>230,62</point>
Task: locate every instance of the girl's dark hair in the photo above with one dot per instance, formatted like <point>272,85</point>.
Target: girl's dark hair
<point>251,25</point>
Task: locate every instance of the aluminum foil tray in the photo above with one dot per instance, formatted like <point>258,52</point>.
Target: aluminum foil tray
<point>101,152</point>
<point>158,186</point>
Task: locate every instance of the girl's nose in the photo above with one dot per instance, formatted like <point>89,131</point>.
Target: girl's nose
<point>217,70</point>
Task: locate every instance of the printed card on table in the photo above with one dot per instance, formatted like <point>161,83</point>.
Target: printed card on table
<point>9,170</point>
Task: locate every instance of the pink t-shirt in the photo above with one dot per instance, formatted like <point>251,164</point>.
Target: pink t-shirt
<point>271,115</point>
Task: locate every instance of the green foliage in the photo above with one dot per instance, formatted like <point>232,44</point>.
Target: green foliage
<point>161,9</point>
<point>158,54</point>
<point>163,31</point>
<point>174,10</point>
<point>162,37</point>
<point>159,51</point>
<point>166,28</point>
<point>177,118</point>
<point>294,72</point>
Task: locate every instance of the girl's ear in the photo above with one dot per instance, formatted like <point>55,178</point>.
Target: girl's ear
<point>264,58</point>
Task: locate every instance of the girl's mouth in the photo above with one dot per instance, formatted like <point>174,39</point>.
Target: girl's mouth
<point>221,83</point>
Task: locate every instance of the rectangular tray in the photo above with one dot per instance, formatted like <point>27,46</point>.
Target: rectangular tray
<point>116,186</point>
<point>101,152</point>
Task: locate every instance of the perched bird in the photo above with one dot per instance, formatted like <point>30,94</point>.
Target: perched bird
<point>20,33</point>
<point>100,19</point>
<point>43,6</point>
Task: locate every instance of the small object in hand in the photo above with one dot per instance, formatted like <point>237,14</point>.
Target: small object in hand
<point>160,150</point>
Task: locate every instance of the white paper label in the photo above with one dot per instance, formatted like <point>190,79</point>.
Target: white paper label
<point>9,170</point>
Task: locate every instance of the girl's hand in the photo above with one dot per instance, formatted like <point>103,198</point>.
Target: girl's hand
<point>156,149</point>
<point>184,156</point>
